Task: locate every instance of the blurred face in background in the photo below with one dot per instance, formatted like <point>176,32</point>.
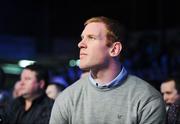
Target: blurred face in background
<point>169,92</point>
<point>52,91</point>
<point>30,85</point>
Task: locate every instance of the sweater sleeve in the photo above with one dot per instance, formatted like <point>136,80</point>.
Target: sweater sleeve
<point>59,114</point>
<point>152,112</point>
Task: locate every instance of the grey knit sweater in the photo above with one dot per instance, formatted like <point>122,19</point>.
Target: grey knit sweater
<point>133,102</point>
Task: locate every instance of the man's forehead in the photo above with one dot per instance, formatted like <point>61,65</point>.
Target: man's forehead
<point>169,85</point>
<point>27,72</point>
<point>94,28</point>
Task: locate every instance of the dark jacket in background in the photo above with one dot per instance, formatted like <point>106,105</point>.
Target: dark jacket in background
<point>173,114</point>
<point>39,113</point>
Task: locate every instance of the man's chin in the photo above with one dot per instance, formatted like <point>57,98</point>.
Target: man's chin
<point>25,95</point>
<point>83,67</point>
<point>168,104</point>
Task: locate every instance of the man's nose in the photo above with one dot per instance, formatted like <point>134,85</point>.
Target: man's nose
<point>82,44</point>
<point>165,97</point>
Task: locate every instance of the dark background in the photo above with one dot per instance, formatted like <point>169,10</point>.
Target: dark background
<point>48,19</point>
<point>66,17</point>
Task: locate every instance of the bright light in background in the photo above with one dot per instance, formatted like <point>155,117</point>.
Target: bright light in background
<point>73,63</point>
<point>77,62</point>
<point>24,63</point>
<point>11,69</point>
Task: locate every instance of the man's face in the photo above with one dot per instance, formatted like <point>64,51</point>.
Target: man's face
<point>93,49</point>
<point>169,92</point>
<point>29,83</point>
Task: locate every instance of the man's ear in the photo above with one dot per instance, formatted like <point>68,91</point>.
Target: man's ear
<point>42,84</point>
<point>115,49</point>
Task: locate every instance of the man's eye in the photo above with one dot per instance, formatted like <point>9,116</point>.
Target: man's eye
<point>27,78</point>
<point>91,37</point>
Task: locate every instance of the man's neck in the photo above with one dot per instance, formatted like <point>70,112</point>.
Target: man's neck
<point>29,101</point>
<point>105,75</point>
<point>28,104</point>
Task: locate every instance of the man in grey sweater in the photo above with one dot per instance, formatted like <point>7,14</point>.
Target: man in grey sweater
<point>108,95</point>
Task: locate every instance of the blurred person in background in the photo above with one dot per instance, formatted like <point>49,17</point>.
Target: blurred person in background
<point>4,96</point>
<point>57,85</point>
<point>33,106</point>
<point>170,90</point>
<point>4,101</point>
<point>108,95</point>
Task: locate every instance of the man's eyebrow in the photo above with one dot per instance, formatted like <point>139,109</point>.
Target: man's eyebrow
<point>89,35</point>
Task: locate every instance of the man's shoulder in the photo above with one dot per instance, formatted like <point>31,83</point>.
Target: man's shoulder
<point>141,86</point>
<point>78,84</point>
<point>74,89</point>
<point>138,82</point>
<point>44,100</point>
<point>142,92</point>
